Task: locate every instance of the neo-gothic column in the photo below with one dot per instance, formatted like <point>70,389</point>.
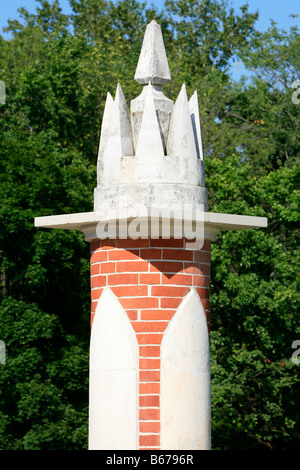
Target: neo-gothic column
<point>150,235</point>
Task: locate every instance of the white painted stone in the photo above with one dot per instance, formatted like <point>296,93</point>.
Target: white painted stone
<point>170,169</point>
<point>127,170</point>
<point>113,403</point>
<point>185,379</point>
<point>201,172</point>
<point>147,159</point>
<point>105,127</point>
<point>164,194</point>
<point>163,107</point>
<point>149,141</point>
<point>86,222</point>
<point>124,123</point>
<point>118,132</point>
<point>181,141</point>
<point>118,139</point>
<point>195,117</point>
<point>105,131</point>
<point>153,63</point>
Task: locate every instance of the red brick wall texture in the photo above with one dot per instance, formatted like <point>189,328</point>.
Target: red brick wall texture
<point>150,277</point>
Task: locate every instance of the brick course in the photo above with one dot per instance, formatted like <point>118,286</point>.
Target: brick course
<point>150,278</point>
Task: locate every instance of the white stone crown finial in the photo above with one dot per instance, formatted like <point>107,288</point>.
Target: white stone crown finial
<point>153,155</point>
<point>153,63</point>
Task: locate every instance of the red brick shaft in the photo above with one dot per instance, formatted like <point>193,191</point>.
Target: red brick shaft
<point>150,278</point>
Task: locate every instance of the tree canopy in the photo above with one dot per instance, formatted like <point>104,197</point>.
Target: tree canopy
<point>57,69</point>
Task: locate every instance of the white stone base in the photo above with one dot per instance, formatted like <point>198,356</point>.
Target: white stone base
<point>147,194</point>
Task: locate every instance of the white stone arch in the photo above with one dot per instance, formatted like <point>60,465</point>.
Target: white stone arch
<point>185,379</point>
<point>113,405</point>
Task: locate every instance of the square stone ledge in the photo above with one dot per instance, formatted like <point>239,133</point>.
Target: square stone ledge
<point>209,223</point>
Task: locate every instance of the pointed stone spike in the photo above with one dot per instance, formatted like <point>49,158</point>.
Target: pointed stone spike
<point>112,145</point>
<point>195,116</point>
<point>125,126</point>
<point>119,138</point>
<point>153,63</point>
<point>181,141</point>
<point>105,124</point>
<point>149,141</point>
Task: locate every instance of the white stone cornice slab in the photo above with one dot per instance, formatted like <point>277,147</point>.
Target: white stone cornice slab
<point>87,222</point>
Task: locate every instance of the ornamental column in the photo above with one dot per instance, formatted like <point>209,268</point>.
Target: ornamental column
<point>150,235</point>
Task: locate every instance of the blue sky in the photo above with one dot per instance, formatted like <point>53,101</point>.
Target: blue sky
<point>278,10</point>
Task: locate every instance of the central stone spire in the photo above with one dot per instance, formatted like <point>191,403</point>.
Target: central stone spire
<point>152,72</point>
<point>153,64</point>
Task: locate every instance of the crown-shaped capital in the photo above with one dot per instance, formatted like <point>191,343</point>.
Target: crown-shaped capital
<point>151,155</point>
<point>153,64</point>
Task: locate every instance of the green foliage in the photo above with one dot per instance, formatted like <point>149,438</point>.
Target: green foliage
<point>57,70</point>
<point>255,309</point>
<point>44,381</point>
<point>254,398</point>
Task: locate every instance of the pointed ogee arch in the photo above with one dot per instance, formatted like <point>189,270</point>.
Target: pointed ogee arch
<point>185,378</point>
<point>113,408</point>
